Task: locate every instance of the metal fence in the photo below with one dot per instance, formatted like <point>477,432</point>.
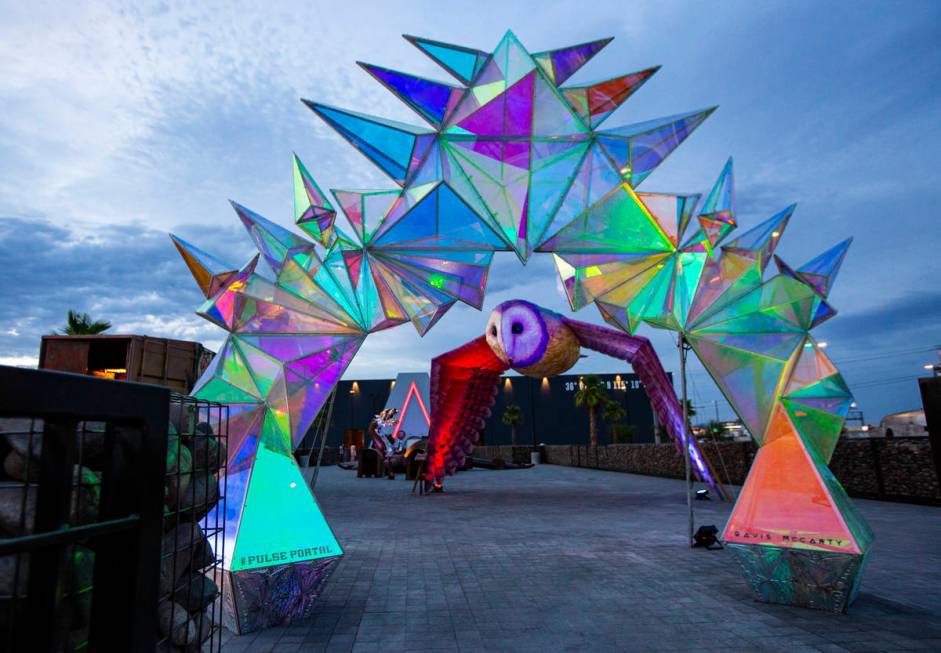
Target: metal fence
<point>106,522</point>
<point>189,610</point>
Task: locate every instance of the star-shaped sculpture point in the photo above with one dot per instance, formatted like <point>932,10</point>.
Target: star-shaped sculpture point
<point>523,152</point>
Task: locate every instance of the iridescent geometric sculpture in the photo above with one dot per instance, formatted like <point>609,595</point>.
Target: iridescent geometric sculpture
<point>514,160</point>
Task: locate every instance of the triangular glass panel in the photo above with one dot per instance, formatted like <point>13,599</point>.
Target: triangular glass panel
<point>463,63</point>
<point>281,521</point>
<point>386,143</point>
<point>638,149</point>
<point>619,223</point>
<point>595,178</point>
<point>429,99</point>
<point>562,63</point>
<point>748,380</point>
<point>595,102</point>
<point>786,503</point>
<point>207,270</point>
<point>763,238</point>
<point>821,271</point>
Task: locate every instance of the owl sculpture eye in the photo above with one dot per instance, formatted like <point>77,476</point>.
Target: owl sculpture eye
<point>524,334</point>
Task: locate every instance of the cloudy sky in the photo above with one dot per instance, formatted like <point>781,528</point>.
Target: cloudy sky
<point>121,122</point>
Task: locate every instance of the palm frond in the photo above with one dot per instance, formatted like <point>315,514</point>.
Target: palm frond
<point>81,324</point>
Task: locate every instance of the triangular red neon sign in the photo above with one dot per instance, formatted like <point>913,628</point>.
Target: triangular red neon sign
<point>412,390</point>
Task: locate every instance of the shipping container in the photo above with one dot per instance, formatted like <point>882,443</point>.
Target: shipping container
<point>175,364</point>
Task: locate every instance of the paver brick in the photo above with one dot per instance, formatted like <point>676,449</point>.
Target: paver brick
<point>566,559</point>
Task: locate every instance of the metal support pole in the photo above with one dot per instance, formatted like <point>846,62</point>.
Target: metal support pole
<point>686,435</point>
<point>532,411</point>
<point>325,429</point>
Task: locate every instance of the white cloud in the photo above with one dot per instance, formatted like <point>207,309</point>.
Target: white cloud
<point>19,361</point>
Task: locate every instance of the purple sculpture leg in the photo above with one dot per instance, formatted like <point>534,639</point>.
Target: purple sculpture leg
<point>641,355</point>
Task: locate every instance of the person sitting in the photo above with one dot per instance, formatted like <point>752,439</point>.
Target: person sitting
<point>396,454</point>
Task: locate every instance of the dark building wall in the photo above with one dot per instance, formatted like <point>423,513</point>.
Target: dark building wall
<point>354,407</point>
<point>550,415</point>
<point>548,408</point>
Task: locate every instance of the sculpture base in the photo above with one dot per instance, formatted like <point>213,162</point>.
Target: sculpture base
<point>822,580</point>
<point>270,596</point>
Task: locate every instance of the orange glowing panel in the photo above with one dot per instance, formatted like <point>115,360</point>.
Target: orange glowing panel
<point>785,502</point>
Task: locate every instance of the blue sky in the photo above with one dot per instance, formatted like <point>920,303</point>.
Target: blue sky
<point>122,122</point>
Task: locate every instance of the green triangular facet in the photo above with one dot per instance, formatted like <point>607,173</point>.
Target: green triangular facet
<point>831,386</point>
<point>849,513</point>
<point>818,429</point>
<point>281,521</point>
<point>617,224</point>
<point>749,381</point>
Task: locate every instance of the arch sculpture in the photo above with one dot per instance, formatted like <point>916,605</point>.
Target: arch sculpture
<point>514,159</point>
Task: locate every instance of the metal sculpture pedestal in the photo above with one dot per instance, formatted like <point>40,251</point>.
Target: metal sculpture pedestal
<point>270,596</point>
<point>822,580</point>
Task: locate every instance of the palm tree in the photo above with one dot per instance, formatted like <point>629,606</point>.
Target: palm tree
<point>81,324</point>
<point>591,394</point>
<point>512,415</point>
<point>613,412</point>
<point>623,433</point>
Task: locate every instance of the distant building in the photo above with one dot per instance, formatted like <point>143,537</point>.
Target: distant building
<point>548,407</point>
<point>907,424</point>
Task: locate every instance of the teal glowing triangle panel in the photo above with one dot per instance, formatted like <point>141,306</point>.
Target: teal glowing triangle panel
<point>511,59</point>
<point>388,144</point>
<point>560,168</point>
<point>281,521</point>
<point>463,63</point>
<point>595,178</point>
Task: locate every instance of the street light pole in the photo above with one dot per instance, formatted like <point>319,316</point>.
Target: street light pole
<point>532,412</point>
<point>681,344</point>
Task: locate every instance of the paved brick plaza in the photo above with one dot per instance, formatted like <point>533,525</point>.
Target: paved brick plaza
<point>562,559</point>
